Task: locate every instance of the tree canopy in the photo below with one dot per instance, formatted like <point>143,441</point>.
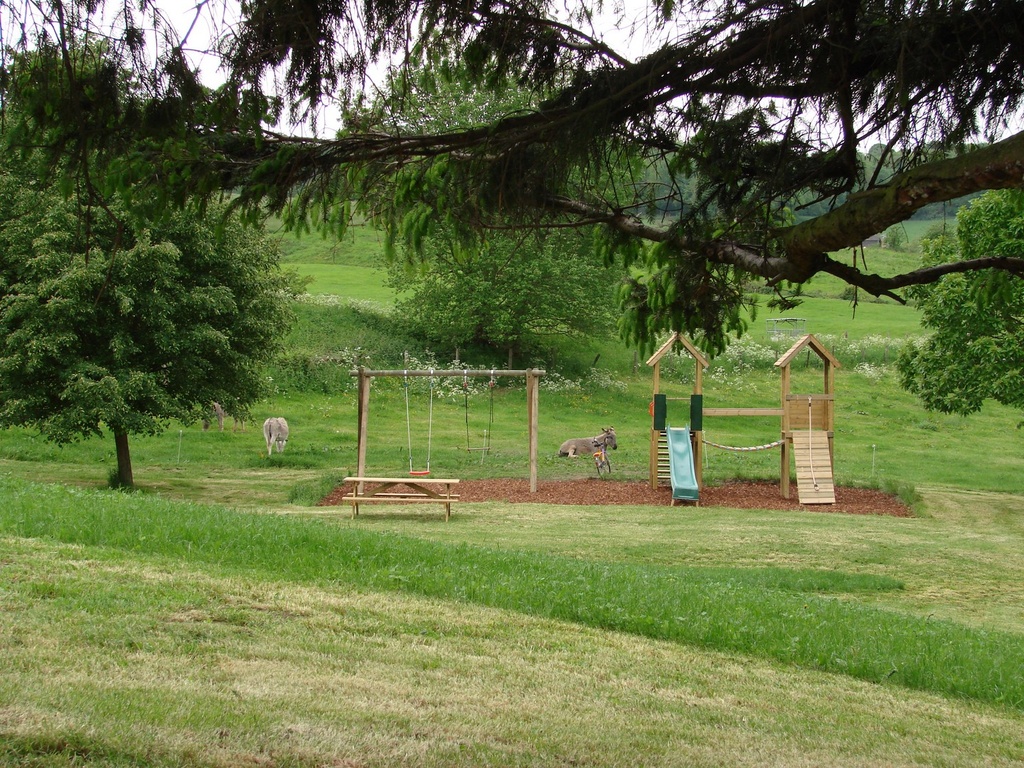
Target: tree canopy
<point>976,350</point>
<point>508,293</point>
<point>740,117</point>
<point>124,328</point>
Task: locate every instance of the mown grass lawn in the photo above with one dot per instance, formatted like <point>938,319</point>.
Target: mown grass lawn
<point>214,668</point>
<point>141,632</point>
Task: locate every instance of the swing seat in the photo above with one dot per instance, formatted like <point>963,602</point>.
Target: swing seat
<point>419,472</point>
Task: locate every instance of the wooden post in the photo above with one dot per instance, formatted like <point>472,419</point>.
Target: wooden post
<point>655,434</point>
<point>784,468</point>
<point>532,404</point>
<point>698,435</point>
<point>830,412</point>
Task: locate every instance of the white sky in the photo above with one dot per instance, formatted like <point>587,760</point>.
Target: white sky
<point>620,23</point>
<point>623,24</point>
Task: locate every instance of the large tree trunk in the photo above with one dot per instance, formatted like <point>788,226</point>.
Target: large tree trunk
<point>124,461</point>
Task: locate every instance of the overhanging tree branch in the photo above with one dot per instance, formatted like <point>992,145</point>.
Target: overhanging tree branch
<point>743,111</point>
<point>997,166</point>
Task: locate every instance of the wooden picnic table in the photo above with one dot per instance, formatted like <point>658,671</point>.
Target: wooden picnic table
<point>405,490</point>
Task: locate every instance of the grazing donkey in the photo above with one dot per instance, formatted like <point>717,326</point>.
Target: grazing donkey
<point>218,412</point>
<point>275,429</point>
<point>587,446</point>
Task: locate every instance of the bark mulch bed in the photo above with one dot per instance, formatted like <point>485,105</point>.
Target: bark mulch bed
<point>594,491</point>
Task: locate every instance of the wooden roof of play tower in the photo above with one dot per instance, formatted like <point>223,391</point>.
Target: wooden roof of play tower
<point>808,341</point>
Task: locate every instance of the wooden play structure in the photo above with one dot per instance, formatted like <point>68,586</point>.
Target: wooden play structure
<point>807,422</point>
<point>532,376</point>
<point>808,427</point>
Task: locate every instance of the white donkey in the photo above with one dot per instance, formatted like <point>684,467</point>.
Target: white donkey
<point>587,446</point>
<point>275,430</point>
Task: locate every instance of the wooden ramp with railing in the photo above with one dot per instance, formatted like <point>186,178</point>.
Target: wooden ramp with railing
<point>813,467</point>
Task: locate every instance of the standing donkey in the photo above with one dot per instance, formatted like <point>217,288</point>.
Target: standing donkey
<point>275,430</point>
<point>587,446</point>
<point>218,412</point>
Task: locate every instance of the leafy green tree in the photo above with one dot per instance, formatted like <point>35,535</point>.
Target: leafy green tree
<point>507,292</point>
<point>119,325</point>
<point>895,237</point>
<point>976,350</point>
<point>749,107</point>
<point>496,288</point>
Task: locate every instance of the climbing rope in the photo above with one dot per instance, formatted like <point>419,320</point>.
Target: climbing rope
<point>764,447</point>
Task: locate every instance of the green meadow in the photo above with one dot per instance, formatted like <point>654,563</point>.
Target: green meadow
<point>220,617</point>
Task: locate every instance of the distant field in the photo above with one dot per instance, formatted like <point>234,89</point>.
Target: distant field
<point>347,269</point>
<point>837,317</point>
<point>917,229</point>
<point>822,316</point>
<point>361,246</point>
<point>365,283</point>
<point>353,268</point>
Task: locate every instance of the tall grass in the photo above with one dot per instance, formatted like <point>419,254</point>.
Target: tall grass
<point>791,616</point>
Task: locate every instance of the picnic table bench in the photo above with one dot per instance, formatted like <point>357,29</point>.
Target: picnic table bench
<point>403,490</point>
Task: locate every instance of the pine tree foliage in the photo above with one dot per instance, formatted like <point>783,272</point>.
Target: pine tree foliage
<point>733,121</point>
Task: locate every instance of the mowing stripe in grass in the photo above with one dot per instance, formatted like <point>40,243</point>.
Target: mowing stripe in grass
<point>768,613</point>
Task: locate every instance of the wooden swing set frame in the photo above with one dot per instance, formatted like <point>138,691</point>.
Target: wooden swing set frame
<point>366,376</point>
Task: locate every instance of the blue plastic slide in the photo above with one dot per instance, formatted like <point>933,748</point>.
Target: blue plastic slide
<point>680,462</point>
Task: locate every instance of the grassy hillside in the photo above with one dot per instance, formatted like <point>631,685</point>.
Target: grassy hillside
<point>883,436</point>
<point>362,246</point>
<point>219,618</point>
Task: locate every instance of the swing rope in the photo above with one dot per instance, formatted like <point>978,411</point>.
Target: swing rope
<point>490,416</point>
<point>408,421</point>
<point>810,448</point>
<point>430,424</point>
<point>465,392</point>
<point>490,419</point>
